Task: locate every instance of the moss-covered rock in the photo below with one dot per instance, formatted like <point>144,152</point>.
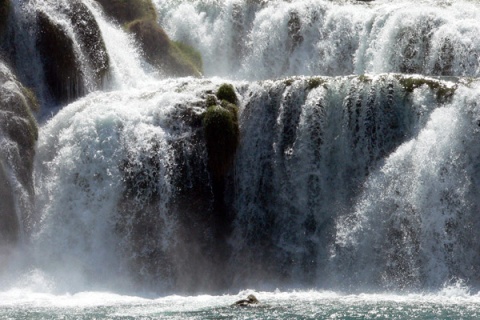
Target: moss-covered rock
<point>154,41</point>
<point>227,93</point>
<point>4,13</point>
<point>159,51</point>
<point>221,136</point>
<point>191,54</point>
<point>125,11</point>
<point>139,17</point>
<point>315,82</point>
<point>441,89</point>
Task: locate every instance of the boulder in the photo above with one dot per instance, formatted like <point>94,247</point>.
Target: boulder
<point>64,76</point>
<point>251,300</point>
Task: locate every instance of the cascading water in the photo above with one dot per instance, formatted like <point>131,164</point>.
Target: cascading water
<point>271,39</point>
<point>421,205</point>
<point>353,172</point>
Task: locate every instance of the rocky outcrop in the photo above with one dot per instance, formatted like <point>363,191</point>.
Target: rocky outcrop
<point>93,46</point>
<point>62,71</point>
<point>139,18</point>
<point>70,74</point>
<point>173,59</point>
<point>221,130</point>
<point>18,134</point>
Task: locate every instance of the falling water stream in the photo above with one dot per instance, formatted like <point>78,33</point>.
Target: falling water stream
<point>354,191</point>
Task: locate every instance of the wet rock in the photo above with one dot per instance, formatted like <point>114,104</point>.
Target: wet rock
<point>174,59</point>
<point>65,76</point>
<point>4,13</point>
<point>128,11</point>
<point>251,300</point>
<point>18,135</point>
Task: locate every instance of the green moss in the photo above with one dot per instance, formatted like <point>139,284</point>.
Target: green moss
<point>364,78</point>
<point>31,98</point>
<point>313,83</point>
<point>288,82</point>
<point>163,53</point>
<point>211,101</point>
<point>125,11</point>
<point>180,63</point>
<point>221,136</point>
<point>226,92</point>
<point>4,13</point>
<point>153,40</point>
<point>442,91</point>
<point>191,54</point>
<point>232,108</point>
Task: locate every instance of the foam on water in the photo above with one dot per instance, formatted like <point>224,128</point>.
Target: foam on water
<point>278,305</point>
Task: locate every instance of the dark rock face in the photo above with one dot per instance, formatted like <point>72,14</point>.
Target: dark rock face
<point>91,39</point>
<point>4,13</point>
<point>175,192</point>
<point>18,134</point>
<point>63,71</point>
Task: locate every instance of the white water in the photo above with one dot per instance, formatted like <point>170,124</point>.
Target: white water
<point>248,40</point>
<point>350,185</point>
<point>452,302</point>
<point>419,210</point>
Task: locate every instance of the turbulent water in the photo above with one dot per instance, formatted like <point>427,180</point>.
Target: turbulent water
<point>356,173</point>
<point>450,304</point>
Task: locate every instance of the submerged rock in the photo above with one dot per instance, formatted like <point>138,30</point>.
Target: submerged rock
<point>251,299</point>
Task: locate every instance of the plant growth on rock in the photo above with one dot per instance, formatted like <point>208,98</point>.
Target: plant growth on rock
<point>220,124</point>
<point>140,19</point>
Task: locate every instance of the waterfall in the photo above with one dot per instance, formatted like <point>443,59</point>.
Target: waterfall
<point>414,223</point>
<point>18,132</point>
<point>271,39</point>
<point>355,169</point>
